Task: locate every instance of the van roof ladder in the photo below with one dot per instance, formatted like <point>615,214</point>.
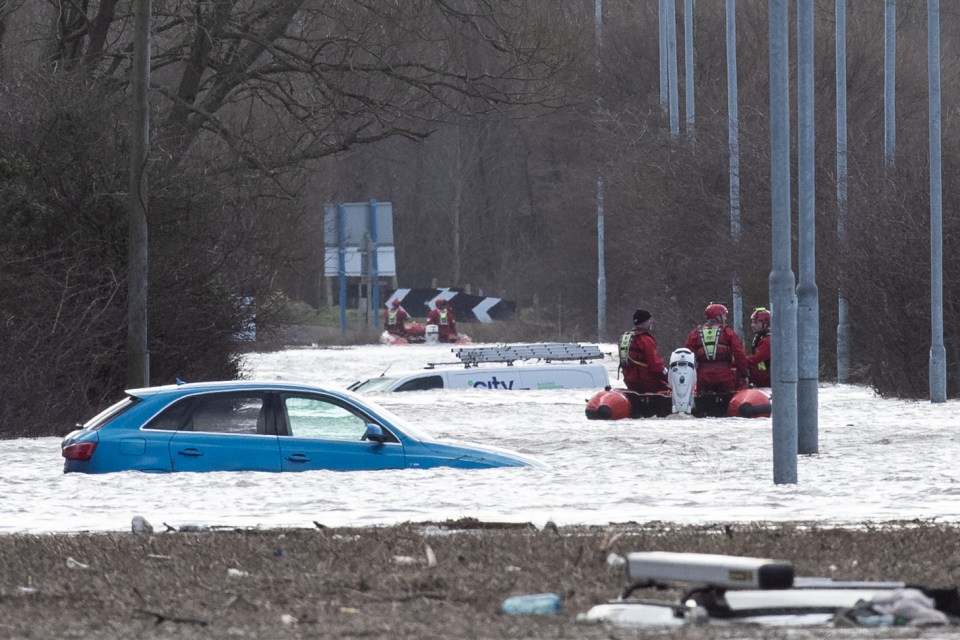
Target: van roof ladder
<point>546,351</point>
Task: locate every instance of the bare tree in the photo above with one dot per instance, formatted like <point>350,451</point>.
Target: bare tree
<point>275,83</point>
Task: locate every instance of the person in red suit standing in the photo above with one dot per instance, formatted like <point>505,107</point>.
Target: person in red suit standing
<point>640,360</point>
<point>759,360</point>
<point>395,319</point>
<point>721,362</point>
<point>445,319</point>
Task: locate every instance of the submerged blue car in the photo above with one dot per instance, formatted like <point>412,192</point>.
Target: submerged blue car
<point>260,426</point>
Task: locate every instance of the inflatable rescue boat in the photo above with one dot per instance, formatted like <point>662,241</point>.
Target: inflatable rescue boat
<point>682,398</point>
<point>420,334</point>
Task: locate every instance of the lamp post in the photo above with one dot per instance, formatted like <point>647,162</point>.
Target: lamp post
<point>138,357</point>
<point>783,297</point>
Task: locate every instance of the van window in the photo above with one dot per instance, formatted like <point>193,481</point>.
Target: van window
<point>373,384</point>
<point>422,384</point>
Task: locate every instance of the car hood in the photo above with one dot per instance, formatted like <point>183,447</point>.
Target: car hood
<point>494,455</point>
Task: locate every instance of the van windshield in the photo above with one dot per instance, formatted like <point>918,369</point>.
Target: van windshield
<point>372,384</point>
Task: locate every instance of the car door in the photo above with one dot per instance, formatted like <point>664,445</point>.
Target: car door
<point>226,431</point>
<point>322,432</point>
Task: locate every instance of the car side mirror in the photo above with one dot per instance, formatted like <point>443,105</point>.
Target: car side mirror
<point>375,433</point>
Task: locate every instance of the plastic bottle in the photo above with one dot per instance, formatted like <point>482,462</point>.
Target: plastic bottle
<point>532,604</point>
<point>879,620</point>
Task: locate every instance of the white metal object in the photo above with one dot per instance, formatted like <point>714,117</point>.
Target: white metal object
<point>547,351</point>
<point>637,614</point>
<point>730,572</point>
<point>431,334</point>
<point>732,590</point>
<point>682,377</point>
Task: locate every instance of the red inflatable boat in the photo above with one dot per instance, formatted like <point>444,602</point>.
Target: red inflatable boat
<point>616,404</point>
<point>682,397</point>
<point>420,334</point>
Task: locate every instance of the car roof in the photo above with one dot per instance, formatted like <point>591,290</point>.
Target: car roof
<point>231,385</point>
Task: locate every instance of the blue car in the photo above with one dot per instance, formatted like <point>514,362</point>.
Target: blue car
<point>268,426</point>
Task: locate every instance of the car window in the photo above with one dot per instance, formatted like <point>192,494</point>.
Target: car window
<point>110,413</point>
<point>240,412</point>
<point>173,417</point>
<point>228,413</point>
<point>319,418</point>
<point>422,384</point>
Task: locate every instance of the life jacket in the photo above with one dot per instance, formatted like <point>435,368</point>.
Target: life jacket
<point>763,365</point>
<point>625,340</point>
<point>710,339</point>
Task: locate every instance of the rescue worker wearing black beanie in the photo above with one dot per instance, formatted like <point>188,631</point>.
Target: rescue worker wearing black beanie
<point>640,360</point>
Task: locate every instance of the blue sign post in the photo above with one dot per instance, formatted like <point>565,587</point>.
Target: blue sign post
<point>374,265</point>
<point>342,267</point>
<point>358,239</point>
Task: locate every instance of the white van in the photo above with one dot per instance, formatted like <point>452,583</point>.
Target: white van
<point>502,368</point>
<point>498,378</point>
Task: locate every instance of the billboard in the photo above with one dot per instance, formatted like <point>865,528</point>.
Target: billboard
<point>358,228</point>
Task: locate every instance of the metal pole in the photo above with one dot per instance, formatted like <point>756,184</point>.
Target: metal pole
<point>938,356</point>
<point>375,266</point>
<point>601,268</point>
<point>672,68</point>
<point>598,27</point>
<point>688,103</point>
<point>808,311</point>
<point>733,143</point>
<point>342,266</point>
<point>889,82</point>
<point>138,356</point>
<point>783,298</point>
<point>664,90</point>
<point>843,317</point>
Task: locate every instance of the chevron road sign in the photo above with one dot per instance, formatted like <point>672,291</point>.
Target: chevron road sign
<point>469,308</point>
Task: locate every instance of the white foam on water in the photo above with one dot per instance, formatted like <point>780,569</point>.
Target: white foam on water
<point>879,460</point>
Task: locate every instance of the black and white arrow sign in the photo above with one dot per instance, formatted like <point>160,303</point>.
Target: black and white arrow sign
<point>469,308</point>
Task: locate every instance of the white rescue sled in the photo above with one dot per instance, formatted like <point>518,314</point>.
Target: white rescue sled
<point>682,377</point>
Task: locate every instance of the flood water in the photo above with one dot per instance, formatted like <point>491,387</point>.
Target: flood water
<point>879,460</point>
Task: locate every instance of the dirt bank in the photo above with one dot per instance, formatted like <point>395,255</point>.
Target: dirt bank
<point>413,581</point>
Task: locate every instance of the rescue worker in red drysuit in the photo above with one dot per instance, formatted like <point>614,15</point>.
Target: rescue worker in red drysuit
<point>395,319</point>
<point>640,361</point>
<point>721,362</point>
<point>445,319</point>
<point>759,361</point>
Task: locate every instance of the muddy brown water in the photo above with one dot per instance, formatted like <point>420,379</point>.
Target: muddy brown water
<point>411,581</point>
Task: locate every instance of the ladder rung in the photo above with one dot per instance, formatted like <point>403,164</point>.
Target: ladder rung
<point>540,350</point>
